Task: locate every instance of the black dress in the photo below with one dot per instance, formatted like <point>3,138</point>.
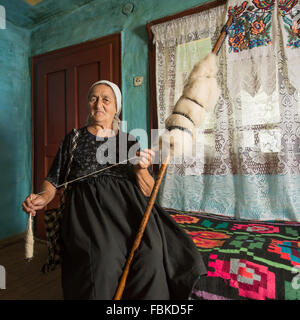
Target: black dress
<point>101,219</point>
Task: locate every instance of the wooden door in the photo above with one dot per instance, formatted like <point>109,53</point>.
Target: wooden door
<point>60,82</point>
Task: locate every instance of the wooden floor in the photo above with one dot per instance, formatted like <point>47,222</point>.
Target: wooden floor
<point>24,280</point>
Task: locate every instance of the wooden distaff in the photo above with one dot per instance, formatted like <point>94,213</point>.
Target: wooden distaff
<point>158,181</point>
<point>222,36</point>
<point>143,225</point>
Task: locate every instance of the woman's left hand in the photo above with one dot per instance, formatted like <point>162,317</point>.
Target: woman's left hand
<point>146,158</point>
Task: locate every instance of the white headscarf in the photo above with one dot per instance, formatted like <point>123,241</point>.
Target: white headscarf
<point>116,91</point>
<point>118,96</point>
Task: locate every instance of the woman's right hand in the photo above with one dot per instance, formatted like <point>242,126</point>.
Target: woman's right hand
<point>33,203</point>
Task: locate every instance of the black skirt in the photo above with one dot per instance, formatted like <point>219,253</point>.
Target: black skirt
<point>100,222</point>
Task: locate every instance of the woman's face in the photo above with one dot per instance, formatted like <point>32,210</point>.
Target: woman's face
<point>102,105</point>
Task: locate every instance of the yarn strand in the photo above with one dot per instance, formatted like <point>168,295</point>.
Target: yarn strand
<point>29,237</point>
<point>92,173</point>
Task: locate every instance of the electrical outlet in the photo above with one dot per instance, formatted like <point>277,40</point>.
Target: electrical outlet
<point>137,81</point>
<point>128,8</point>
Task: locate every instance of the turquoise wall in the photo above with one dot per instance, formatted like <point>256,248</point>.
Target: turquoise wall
<point>15,128</point>
<point>94,20</point>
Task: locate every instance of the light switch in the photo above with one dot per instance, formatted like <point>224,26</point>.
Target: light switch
<point>137,81</point>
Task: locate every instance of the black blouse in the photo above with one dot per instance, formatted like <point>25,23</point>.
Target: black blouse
<point>92,154</point>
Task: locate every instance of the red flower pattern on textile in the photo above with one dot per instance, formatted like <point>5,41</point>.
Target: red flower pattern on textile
<point>237,11</point>
<point>287,5</point>
<point>237,40</point>
<point>257,27</point>
<point>264,4</point>
<point>252,280</point>
<point>207,239</point>
<point>259,228</point>
<point>287,249</point>
<point>295,29</point>
<point>180,218</point>
<point>209,244</point>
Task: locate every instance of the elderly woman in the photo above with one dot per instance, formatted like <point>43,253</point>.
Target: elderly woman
<point>103,212</point>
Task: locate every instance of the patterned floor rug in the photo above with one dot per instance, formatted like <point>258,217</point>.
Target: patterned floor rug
<point>245,259</point>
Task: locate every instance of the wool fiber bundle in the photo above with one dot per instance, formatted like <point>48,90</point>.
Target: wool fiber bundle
<point>29,240</point>
<point>200,95</point>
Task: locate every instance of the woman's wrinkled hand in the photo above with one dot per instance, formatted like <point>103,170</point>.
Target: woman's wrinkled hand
<point>145,159</point>
<point>33,203</point>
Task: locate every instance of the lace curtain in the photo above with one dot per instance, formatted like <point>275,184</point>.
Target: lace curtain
<point>248,165</point>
